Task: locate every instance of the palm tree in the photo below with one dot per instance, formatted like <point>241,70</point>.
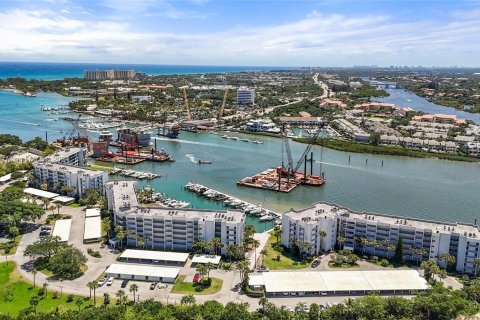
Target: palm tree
<point>262,302</point>
<point>46,202</point>
<point>121,298</point>
<point>34,302</point>
<point>209,267</point>
<point>139,241</point>
<point>106,298</point>
<point>133,289</point>
<point>323,235</point>
<point>199,246</point>
<point>301,305</point>
<point>390,248</point>
<point>34,272</point>
<point>90,286</point>
<point>476,265</point>
<point>277,232</point>
<point>255,244</point>
<point>79,303</point>
<point>243,267</point>
<point>216,243</point>
<point>202,269</point>
<point>231,249</point>
<point>58,206</point>
<point>341,241</point>
<point>188,299</point>
<point>45,285</point>
<point>95,286</point>
<point>263,253</point>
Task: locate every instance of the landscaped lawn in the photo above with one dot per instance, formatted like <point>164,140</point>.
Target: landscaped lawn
<point>332,265</point>
<point>287,260</point>
<point>180,286</point>
<point>74,205</point>
<point>22,291</point>
<point>13,250</point>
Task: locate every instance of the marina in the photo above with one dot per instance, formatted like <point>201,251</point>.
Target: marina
<point>134,174</point>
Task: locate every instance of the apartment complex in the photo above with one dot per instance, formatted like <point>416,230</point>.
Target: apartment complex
<point>245,96</point>
<point>435,238</point>
<point>109,74</point>
<point>171,229</point>
<point>69,156</point>
<point>419,144</point>
<point>58,174</point>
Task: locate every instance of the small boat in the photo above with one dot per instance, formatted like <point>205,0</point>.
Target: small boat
<point>204,162</point>
<point>224,136</point>
<point>234,138</point>
<point>245,140</point>
<point>257,142</point>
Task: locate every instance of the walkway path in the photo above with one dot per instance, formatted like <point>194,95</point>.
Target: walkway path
<point>263,239</point>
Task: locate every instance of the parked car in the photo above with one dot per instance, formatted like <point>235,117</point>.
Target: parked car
<point>124,283</point>
<point>306,308</point>
<point>196,277</point>
<point>46,227</point>
<point>110,281</point>
<point>153,285</point>
<point>263,269</point>
<point>315,263</point>
<point>102,281</point>
<point>323,293</point>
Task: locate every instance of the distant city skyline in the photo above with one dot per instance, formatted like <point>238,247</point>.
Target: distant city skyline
<point>252,33</point>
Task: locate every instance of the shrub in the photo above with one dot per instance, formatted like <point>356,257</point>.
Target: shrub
<point>94,253</point>
<point>41,292</point>
<point>384,263</point>
<point>55,295</point>
<point>374,258</point>
<point>70,298</point>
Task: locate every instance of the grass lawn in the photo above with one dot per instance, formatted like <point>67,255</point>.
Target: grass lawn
<point>74,205</point>
<point>332,265</point>
<point>13,250</point>
<point>180,286</point>
<point>103,168</point>
<point>22,291</point>
<point>287,260</point>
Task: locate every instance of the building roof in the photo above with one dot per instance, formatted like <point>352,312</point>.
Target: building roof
<point>142,270</point>
<point>304,281</point>
<point>62,229</point>
<point>63,199</point>
<point>68,168</point>
<point>204,258</point>
<point>154,255</point>
<point>40,193</point>
<point>93,228</point>
<point>92,212</point>
<point>6,178</point>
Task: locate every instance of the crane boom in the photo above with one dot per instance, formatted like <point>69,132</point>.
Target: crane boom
<point>222,108</point>
<point>185,98</point>
<point>289,152</point>
<point>307,150</point>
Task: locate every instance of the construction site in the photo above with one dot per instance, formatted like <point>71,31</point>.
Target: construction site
<point>285,179</point>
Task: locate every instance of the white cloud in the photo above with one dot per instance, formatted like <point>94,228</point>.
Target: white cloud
<point>318,39</point>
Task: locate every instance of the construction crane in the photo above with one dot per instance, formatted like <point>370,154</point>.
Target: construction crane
<point>83,137</point>
<point>185,98</point>
<point>291,170</point>
<point>222,108</point>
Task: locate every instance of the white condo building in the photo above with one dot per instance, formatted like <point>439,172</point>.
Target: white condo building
<point>171,229</point>
<point>245,96</point>
<point>64,175</point>
<point>69,156</point>
<point>459,240</point>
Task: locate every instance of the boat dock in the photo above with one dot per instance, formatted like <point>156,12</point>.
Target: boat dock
<point>232,202</point>
<point>135,174</point>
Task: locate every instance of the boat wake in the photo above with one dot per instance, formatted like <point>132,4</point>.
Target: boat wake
<point>191,157</point>
<point>197,143</point>
<point>21,122</point>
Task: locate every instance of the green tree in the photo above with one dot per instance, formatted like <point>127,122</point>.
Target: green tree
<point>106,298</point>
<point>399,250</point>
<point>34,272</point>
<point>277,232</point>
<point>202,269</point>
<point>34,300</point>
<point>133,289</point>
<point>67,263</point>
<point>121,298</point>
<point>341,241</point>
<point>188,299</point>
<point>45,286</point>
<point>79,302</point>
<point>323,235</point>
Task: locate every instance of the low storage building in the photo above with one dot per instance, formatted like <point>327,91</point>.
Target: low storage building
<point>62,229</point>
<point>141,272</point>
<point>205,258</point>
<point>292,283</point>
<point>156,257</point>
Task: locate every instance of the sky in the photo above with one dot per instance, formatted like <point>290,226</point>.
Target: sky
<point>249,33</point>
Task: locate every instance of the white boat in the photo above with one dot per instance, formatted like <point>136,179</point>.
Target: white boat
<point>257,142</point>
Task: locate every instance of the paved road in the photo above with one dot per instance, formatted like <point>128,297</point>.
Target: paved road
<point>322,85</point>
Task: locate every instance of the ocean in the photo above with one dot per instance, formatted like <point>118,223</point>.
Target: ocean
<point>58,71</point>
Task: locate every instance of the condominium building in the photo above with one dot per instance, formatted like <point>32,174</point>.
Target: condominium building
<point>245,96</point>
<point>109,74</point>
<point>58,174</point>
<point>435,238</point>
<point>69,156</point>
<point>171,229</point>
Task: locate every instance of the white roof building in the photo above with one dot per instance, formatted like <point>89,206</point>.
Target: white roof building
<point>93,229</point>
<point>92,212</point>
<point>142,272</point>
<point>205,258</point>
<point>62,229</point>
<point>40,193</point>
<point>64,200</point>
<point>150,256</point>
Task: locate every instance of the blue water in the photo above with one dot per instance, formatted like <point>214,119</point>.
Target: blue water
<point>55,71</point>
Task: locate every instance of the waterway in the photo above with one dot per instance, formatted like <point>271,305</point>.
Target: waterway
<point>420,188</point>
<point>404,98</point>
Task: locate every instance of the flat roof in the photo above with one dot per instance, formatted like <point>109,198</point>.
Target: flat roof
<point>154,255</point>
<point>309,281</point>
<point>40,193</point>
<point>62,229</point>
<point>142,270</point>
<point>93,228</point>
<point>92,212</point>
<point>205,258</point>
<point>6,177</point>
<point>63,199</point>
